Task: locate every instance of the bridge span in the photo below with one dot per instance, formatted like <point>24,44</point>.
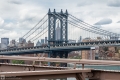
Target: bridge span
<point>59,47</point>
<point>58,38</point>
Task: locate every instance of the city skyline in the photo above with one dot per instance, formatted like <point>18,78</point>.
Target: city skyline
<point>15,22</point>
<point>20,18</point>
<point>60,39</point>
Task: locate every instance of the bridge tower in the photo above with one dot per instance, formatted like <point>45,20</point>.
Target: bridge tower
<point>57,31</point>
<point>52,27</point>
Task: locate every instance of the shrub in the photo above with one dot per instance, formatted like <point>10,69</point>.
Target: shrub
<point>18,62</point>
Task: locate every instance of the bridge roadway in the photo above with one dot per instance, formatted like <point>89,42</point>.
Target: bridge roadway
<point>62,47</point>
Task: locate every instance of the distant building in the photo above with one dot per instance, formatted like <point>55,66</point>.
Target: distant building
<point>71,41</point>
<point>86,39</point>
<point>42,41</point>
<point>13,44</point>
<point>58,32</point>
<point>3,46</point>
<point>29,44</point>
<point>5,41</point>
<point>45,40</point>
<point>38,43</point>
<point>13,41</point>
<point>21,45</point>
<point>22,40</point>
<point>90,54</point>
<point>80,39</point>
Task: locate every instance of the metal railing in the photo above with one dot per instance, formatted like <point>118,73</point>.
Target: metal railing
<point>61,60</point>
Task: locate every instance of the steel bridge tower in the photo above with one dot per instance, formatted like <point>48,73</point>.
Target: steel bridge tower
<point>57,35</point>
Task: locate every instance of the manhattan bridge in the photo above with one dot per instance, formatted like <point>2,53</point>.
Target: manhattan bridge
<point>69,28</point>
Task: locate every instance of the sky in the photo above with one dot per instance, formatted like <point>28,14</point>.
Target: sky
<point>17,17</point>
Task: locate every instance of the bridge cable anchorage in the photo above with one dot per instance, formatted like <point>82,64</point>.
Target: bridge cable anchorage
<point>35,25</point>
<point>81,27</point>
<point>93,27</point>
<point>37,29</point>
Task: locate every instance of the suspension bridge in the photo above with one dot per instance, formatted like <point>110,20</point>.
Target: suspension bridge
<point>60,27</point>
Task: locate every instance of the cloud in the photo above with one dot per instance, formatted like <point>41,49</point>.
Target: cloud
<point>9,34</point>
<point>15,2</point>
<point>113,27</point>
<point>83,3</point>
<point>99,26</point>
<point>104,21</point>
<point>1,21</point>
<point>118,22</point>
<point>114,3</point>
<point>27,13</point>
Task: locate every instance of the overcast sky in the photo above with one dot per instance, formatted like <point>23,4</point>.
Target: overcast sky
<point>19,16</point>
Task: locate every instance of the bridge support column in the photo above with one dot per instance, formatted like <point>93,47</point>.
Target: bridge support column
<point>49,57</point>
<point>61,56</point>
<point>66,56</point>
<point>79,77</point>
<point>53,55</point>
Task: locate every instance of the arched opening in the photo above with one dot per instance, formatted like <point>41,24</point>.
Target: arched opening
<point>58,30</point>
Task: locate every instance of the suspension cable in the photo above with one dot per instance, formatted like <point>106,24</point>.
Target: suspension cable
<point>38,33</point>
<point>39,36</point>
<point>79,25</point>
<point>34,26</point>
<point>86,24</point>
<point>43,33</point>
<point>36,29</point>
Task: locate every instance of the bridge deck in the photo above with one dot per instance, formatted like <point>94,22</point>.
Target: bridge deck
<point>61,47</point>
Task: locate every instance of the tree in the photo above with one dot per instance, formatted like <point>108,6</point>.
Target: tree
<point>18,62</point>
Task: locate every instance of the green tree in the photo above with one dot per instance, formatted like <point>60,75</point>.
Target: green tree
<point>18,62</point>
